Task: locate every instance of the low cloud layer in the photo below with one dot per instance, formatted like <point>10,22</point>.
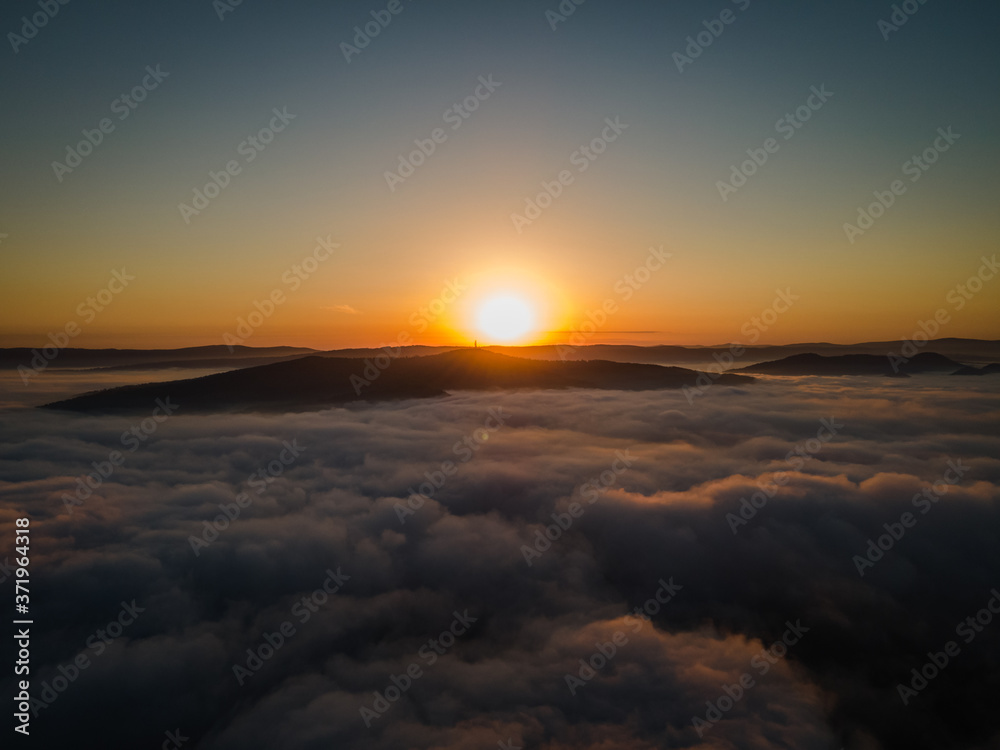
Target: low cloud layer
<point>224,530</point>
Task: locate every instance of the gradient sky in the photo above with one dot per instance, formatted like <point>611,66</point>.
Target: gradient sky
<point>323,176</point>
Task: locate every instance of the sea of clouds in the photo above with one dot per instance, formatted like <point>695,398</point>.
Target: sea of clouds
<point>639,497</point>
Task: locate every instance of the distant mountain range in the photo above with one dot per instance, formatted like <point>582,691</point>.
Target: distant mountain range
<point>963,351</point>
<point>864,364</point>
<point>966,351</point>
<point>196,356</point>
<point>315,382</point>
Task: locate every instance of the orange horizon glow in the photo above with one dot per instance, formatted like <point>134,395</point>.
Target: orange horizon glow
<point>329,312</point>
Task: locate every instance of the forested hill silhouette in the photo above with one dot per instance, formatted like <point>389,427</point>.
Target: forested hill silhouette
<point>316,382</point>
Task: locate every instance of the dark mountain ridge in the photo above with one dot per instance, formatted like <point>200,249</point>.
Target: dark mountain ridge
<point>966,351</point>
<point>315,382</point>
<point>856,364</point>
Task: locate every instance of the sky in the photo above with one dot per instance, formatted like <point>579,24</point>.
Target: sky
<point>356,257</point>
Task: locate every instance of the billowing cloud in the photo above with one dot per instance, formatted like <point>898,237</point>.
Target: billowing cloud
<point>296,537</point>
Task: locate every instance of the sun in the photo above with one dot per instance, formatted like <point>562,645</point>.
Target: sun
<point>505,318</point>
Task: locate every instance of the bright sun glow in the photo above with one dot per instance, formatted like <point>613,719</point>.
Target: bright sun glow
<point>505,318</point>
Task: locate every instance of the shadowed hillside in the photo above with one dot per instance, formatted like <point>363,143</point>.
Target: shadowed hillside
<point>855,364</point>
<point>314,382</point>
<point>991,369</point>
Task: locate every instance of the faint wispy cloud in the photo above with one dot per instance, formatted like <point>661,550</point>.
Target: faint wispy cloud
<point>346,309</point>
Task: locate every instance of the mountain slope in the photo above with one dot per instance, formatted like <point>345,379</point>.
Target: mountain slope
<point>315,382</point>
<point>854,364</point>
